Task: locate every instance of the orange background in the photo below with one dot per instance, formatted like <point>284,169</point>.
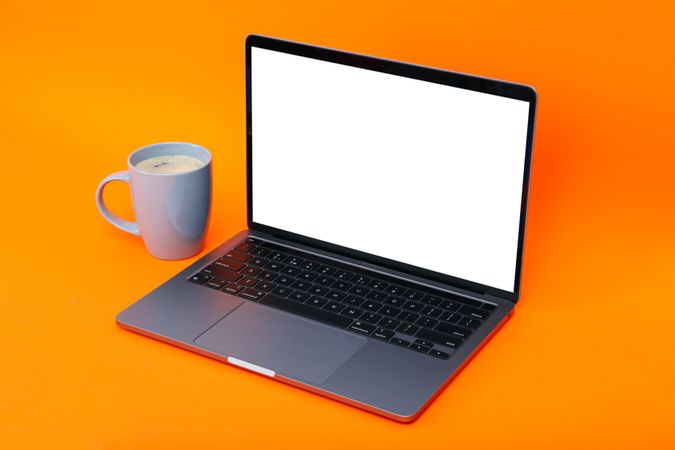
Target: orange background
<point>587,360</point>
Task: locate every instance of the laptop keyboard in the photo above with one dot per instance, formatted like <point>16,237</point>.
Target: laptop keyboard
<point>434,323</point>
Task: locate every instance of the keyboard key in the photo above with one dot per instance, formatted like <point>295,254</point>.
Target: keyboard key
<point>426,322</point>
<point>200,278</point>
<point>302,285</point>
<point>290,270</point>
<point>395,290</point>
<point>412,306</point>
<point>231,264</point>
<point>309,265</point>
<point>474,312</point>
<point>353,301</point>
<point>295,262</point>
<point>251,294</point>
<point>395,301</point>
<point>360,280</point>
<point>383,334</point>
<point>258,262</point>
<point>363,328</point>
<point>453,330</point>
<point>307,311</point>
<point>449,305</point>
<point>412,294</point>
<point>225,274</point>
<point>285,280</point>
<point>378,284</point>
<point>468,322</point>
<point>488,306</point>
<point>370,317</point>
<point>250,270</point>
<point>439,338</point>
<point>265,286</point>
<point>299,296</point>
<point>342,275</point>
<point>432,300</point>
<point>260,252</point>
<point>208,271</point>
<point>351,312</point>
<point>282,291</point>
<point>316,301</point>
<point>359,290</point>
<point>232,288</point>
<point>406,328</point>
<point>253,240</point>
<point>326,270</point>
<point>238,256</point>
<point>267,276</point>
<point>419,348</point>
<point>433,312</point>
<point>278,256</point>
<point>245,247</point>
<point>371,306</point>
<point>390,311</point>
<point>324,281</point>
<point>387,322</point>
<point>406,316</point>
<point>334,307</point>
<point>274,266</point>
<point>451,317</point>
<point>336,296</point>
<point>318,290</point>
<point>401,342</point>
<point>342,285</point>
<point>438,354</point>
<point>377,295</point>
<point>423,342</point>
<point>215,283</point>
<point>308,276</point>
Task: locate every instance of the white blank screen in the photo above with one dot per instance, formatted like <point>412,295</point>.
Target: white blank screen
<point>422,173</point>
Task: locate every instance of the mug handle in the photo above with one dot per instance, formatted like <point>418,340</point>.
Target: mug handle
<point>125,225</point>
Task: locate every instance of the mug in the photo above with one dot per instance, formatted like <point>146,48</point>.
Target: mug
<point>171,209</point>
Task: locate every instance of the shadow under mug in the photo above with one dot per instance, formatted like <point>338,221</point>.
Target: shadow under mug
<point>172,210</point>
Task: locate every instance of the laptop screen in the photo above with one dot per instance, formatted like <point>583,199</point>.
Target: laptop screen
<point>421,173</point>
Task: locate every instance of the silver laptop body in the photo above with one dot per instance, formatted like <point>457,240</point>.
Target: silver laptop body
<point>348,170</point>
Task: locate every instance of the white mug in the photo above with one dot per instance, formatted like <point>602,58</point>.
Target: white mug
<point>171,209</point>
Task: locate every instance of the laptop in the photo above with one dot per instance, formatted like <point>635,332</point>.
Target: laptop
<point>386,217</point>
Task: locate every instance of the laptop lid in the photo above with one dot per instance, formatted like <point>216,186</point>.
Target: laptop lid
<point>417,169</point>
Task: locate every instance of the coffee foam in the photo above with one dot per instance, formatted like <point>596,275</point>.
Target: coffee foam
<point>169,164</point>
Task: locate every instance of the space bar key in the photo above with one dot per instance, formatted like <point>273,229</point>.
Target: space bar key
<point>307,311</point>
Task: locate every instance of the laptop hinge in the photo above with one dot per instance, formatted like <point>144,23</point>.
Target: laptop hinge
<point>298,244</point>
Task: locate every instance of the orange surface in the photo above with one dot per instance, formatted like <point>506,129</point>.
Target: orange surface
<point>586,362</point>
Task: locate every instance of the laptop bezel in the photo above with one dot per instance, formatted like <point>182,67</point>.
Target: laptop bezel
<point>460,80</point>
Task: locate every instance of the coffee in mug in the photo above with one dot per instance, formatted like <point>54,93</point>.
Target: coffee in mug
<point>169,164</point>
<point>171,189</point>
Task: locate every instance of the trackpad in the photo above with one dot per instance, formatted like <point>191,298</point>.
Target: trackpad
<point>281,342</point>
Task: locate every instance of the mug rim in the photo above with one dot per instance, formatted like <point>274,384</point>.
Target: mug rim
<point>201,148</point>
